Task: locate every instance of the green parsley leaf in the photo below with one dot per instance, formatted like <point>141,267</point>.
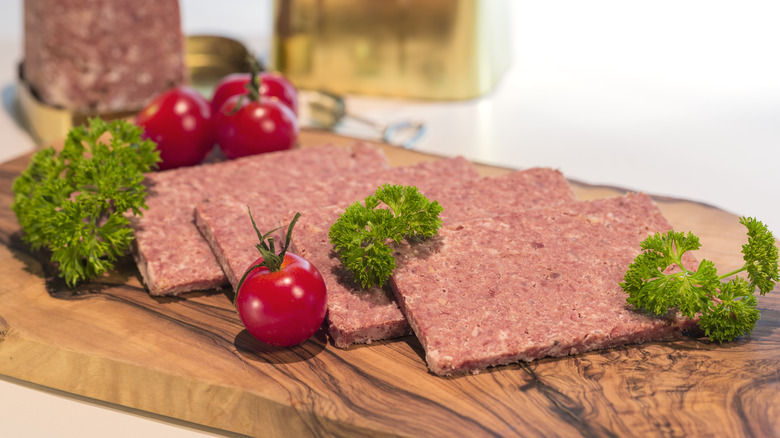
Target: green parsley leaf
<point>74,202</point>
<point>361,234</point>
<point>733,315</point>
<point>760,255</point>
<point>727,309</point>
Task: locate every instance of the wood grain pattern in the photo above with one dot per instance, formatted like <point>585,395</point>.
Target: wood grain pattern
<point>189,358</point>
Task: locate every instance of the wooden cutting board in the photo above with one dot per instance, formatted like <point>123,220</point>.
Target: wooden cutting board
<point>190,359</point>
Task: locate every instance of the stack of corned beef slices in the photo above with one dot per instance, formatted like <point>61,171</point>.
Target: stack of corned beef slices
<point>520,270</point>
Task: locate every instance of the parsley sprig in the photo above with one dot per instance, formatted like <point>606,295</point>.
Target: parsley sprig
<point>73,203</point>
<point>727,309</point>
<point>361,234</point>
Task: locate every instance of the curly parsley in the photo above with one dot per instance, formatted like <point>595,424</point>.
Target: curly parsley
<point>74,202</point>
<point>361,234</point>
<point>727,309</point>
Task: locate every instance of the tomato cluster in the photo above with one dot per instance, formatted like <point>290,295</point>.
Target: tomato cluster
<point>249,113</point>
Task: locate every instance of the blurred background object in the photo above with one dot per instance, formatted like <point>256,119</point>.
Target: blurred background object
<point>323,110</point>
<point>212,57</point>
<point>436,49</point>
<point>102,56</point>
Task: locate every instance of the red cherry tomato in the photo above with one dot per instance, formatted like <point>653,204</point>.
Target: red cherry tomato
<point>285,307</point>
<point>272,85</point>
<point>179,121</point>
<point>256,127</point>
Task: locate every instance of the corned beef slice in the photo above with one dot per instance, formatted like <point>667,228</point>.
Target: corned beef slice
<point>173,257</point>
<point>361,316</point>
<point>519,287</point>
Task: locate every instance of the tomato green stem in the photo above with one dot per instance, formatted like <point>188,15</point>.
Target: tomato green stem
<point>253,86</point>
<point>271,260</point>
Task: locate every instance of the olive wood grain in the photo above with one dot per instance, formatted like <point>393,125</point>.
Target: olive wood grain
<point>189,358</point>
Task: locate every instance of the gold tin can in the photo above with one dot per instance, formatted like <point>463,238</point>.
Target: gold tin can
<point>208,59</point>
<point>433,49</point>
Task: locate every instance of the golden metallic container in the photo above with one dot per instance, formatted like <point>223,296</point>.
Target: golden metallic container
<point>432,49</point>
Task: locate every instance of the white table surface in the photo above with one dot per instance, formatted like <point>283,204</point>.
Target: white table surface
<point>675,98</point>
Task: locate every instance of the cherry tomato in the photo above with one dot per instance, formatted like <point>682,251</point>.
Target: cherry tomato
<point>256,127</point>
<point>284,307</point>
<point>272,85</point>
<point>179,121</point>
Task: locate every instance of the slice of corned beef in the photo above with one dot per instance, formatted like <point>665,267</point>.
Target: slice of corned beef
<point>523,286</point>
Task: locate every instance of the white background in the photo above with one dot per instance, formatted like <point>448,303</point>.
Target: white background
<point>678,98</point>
